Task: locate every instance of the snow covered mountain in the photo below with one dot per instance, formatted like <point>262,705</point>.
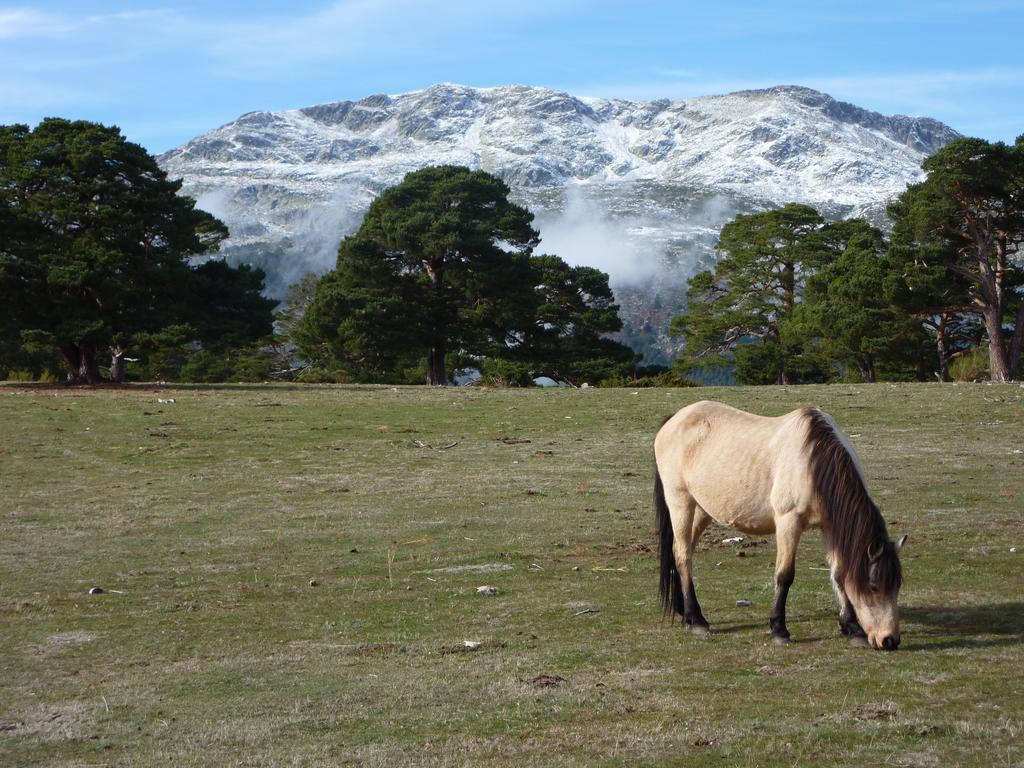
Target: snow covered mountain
<point>639,189</point>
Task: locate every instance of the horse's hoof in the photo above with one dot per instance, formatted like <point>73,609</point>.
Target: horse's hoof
<point>780,640</point>
<point>859,641</point>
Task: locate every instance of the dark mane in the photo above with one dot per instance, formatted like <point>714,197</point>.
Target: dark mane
<point>851,522</point>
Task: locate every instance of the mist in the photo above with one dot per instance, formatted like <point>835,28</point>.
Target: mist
<point>647,253</point>
<point>287,241</point>
<point>669,242</point>
<point>318,230</point>
<point>584,233</point>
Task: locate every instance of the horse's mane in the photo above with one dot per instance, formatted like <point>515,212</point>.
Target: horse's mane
<point>852,524</point>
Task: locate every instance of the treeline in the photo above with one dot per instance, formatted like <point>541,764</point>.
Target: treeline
<point>107,273</point>
<point>795,298</point>
<point>102,262</point>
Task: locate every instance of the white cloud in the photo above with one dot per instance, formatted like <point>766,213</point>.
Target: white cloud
<point>269,45</point>
<point>27,23</point>
<point>16,23</point>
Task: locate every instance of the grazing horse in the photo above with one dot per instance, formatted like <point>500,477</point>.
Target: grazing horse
<point>780,475</point>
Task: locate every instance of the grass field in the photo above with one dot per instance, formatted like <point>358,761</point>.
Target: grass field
<point>291,577</point>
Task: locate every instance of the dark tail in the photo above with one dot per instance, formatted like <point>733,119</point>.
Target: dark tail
<point>670,587</point>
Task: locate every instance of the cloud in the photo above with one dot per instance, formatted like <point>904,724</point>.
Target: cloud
<point>315,230</point>
<point>26,23</point>
<point>584,234</point>
<point>19,95</point>
<point>339,31</point>
<point>16,23</point>
<point>273,46</point>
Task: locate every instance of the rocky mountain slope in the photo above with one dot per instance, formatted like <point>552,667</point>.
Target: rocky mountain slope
<point>639,189</point>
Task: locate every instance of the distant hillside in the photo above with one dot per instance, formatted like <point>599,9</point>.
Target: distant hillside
<point>639,189</point>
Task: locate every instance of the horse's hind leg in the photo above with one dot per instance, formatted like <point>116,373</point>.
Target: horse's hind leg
<point>688,522</point>
<point>696,619</point>
<point>787,536</point>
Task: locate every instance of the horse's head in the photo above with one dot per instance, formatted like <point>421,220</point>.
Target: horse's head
<point>874,598</point>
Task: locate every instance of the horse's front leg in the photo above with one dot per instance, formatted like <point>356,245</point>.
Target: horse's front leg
<point>848,623</point>
<point>787,536</point>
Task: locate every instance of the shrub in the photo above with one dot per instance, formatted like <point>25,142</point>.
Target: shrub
<point>505,373</point>
<point>970,365</point>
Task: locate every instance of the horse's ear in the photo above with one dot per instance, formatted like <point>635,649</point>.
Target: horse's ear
<point>899,544</point>
<point>875,551</point>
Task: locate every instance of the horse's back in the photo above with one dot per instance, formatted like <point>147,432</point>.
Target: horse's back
<point>740,468</point>
<point>707,429</point>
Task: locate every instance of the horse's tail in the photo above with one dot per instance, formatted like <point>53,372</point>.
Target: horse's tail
<point>670,586</point>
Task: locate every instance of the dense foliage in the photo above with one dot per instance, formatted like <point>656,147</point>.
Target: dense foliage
<point>795,298</point>
<point>96,257</point>
<point>962,229</point>
<point>441,275</point>
<point>738,313</point>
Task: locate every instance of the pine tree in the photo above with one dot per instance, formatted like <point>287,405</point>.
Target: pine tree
<point>96,243</point>
<point>850,303</point>
<point>441,268</point>
<point>736,312</point>
<point>967,218</point>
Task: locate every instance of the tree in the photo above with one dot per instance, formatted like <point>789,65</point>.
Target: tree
<point>226,306</point>
<point>967,217</point>
<point>449,238</point>
<point>96,242</point>
<point>737,311</point>
<point>296,301</point>
<point>366,314</point>
<point>573,309</point>
<point>442,267</point>
<point>287,324</point>
<point>938,299</point>
<point>850,303</point>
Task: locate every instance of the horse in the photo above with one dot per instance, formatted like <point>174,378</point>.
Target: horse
<point>781,475</point>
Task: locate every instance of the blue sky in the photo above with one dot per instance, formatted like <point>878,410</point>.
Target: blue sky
<point>165,71</point>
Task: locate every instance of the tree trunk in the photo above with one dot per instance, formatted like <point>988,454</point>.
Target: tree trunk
<point>998,363</point>
<point>436,374</point>
<point>1017,342</point>
<point>117,364</point>
<point>72,357</point>
<point>90,366</point>
<point>867,369</point>
<point>81,364</point>
<point>942,347</point>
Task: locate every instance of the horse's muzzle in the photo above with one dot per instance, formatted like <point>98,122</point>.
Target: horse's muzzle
<point>891,643</point>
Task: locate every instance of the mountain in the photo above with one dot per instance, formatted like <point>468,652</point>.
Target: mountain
<point>640,189</point>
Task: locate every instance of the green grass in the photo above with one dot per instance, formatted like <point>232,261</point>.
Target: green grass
<point>206,519</point>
